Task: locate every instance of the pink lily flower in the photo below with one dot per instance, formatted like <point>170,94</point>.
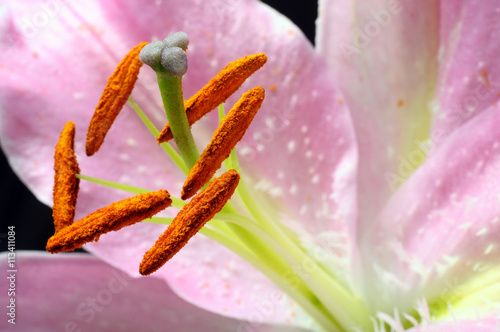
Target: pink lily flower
<point>378,151</point>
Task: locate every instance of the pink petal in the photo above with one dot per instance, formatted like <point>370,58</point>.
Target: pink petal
<point>485,325</point>
<point>79,292</point>
<point>59,73</point>
<point>383,54</point>
<point>469,67</point>
<point>439,234</point>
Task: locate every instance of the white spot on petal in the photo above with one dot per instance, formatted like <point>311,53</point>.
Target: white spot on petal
<point>124,157</point>
<point>270,123</point>
<point>465,225</point>
<point>78,95</point>
<point>482,231</point>
<point>276,192</point>
<point>131,142</point>
<point>246,151</point>
<point>489,248</point>
<point>125,179</point>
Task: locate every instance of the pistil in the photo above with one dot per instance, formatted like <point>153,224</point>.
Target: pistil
<point>168,59</point>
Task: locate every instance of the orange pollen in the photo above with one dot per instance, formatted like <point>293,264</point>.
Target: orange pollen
<point>115,95</point>
<point>189,221</point>
<point>218,90</point>
<point>229,133</point>
<point>65,180</point>
<point>111,218</point>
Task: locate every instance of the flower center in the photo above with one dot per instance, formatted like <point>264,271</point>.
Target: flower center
<point>248,231</point>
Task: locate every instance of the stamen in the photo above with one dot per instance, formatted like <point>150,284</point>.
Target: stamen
<point>65,180</point>
<point>189,221</point>
<point>218,90</point>
<point>230,132</point>
<point>111,218</point>
<point>115,95</point>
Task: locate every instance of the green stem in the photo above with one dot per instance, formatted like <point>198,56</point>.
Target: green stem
<point>335,297</point>
<point>296,290</point>
<point>347,309</point>
<point>260,247</point>
<point>173,101</point>
<point>340,302</point>
<point>304,267</point>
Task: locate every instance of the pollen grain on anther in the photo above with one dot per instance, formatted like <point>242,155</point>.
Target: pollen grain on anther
<point>189,221</point>
<point>218,90</point>
<point>111,218</point>
<point>116,93</point>
<point>65,181</point>
<point>225,138</point>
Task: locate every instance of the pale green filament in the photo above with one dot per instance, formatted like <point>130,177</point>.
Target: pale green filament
<point>176,202</point>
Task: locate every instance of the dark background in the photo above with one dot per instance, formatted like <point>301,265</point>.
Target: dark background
<point>33,220</point>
